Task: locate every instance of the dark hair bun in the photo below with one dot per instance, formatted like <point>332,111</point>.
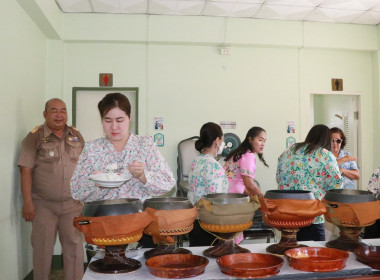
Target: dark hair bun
<point>207,135</point>
<point>199,145</point>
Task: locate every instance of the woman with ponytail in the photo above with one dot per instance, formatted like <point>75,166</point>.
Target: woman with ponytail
<point>240,164</point>
<point>206,176</point>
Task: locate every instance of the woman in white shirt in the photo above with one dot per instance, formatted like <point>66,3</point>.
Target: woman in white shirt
<point>132,154</point>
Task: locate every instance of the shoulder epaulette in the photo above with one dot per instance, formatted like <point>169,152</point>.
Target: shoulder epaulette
<point>73,127</point>
<point>35,129</point>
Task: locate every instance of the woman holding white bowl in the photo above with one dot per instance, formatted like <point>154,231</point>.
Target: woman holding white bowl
<point>133,155</point>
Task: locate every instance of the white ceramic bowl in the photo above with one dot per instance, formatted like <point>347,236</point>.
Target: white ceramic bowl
<point>110,180</point>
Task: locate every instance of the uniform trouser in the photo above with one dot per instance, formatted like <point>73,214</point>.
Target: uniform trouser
<point>50,218</point>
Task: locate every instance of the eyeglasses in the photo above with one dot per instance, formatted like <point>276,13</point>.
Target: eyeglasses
<point>338,141</point>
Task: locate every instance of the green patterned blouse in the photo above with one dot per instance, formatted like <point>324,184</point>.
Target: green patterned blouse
<point>317,172</point>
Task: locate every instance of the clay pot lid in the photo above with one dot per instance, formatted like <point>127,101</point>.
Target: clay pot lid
<point>168,203</point>
<point>316,258</point>
<point>289,194</point>
<point>369,255</point>
<point>248,265</point>
<point>176,265</point>
<point>112,207</point>
<point>349,196</point>
<point>227,198</point>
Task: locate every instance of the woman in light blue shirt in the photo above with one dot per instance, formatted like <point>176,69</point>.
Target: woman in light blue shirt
<point>346,162</point>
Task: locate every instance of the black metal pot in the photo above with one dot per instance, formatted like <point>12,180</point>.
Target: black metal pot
<point>227,198</point>
<point>289,194</point>
<point>349,196</point>
<point>168,203</point>
<point>113,207</point>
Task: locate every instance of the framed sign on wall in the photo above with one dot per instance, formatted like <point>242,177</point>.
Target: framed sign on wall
<point>85,109</point>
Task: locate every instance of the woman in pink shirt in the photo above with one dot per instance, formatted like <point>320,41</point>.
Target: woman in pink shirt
<point>240,164</point>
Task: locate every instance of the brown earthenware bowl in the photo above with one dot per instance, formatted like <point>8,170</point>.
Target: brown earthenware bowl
<point>176,265</point>
<point>369,255</point>
<point>319,259</point>
<point>249,265</point>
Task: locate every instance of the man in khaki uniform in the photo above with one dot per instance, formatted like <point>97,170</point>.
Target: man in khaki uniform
<point>49,155</point>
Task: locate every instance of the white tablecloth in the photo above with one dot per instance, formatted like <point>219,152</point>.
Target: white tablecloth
<point>212,271</point>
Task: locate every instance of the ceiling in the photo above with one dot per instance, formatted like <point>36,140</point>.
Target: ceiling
<point>337,11</point>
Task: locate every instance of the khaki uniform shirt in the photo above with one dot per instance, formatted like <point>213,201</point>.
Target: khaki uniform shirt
<point>53,161</point>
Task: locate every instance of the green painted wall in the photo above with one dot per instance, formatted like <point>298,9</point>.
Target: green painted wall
<point>175,62</point>
<point>267,80</point>
<point>356,70</point>
<point>22,82</point>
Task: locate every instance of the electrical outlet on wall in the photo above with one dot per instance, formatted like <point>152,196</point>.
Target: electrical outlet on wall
<point>225,51</point>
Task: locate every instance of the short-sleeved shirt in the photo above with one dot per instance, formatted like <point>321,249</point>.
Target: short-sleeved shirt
<point>206,176</point>
<point>52,160</point>
<point>97,154</point>
<point>245,166</point>
<point>317,172</point>
<point>350,165</point>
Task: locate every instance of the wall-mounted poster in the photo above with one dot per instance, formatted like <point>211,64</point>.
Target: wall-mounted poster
<point>85,109</point>
<point>290,141</point>
<point>290,127</point>
<point>228,124</point>
<point>159,139</point>
<point>158,123</point>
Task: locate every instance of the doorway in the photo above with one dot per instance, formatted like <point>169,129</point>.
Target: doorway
<point>342,111</point>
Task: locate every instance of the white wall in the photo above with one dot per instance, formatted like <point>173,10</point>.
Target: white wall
<point>22,78</point>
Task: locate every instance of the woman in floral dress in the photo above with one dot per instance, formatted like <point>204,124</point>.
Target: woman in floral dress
<point>206,175</point>
<point>310,165</point>
<point>132,154</point>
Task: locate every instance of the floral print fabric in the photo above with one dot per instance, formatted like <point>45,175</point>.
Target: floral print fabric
<point>246,166</point>
<point>316,172</point>
<point>206,175</point>
<point>374,182</point>
<point>350,165</point>
<point>97,154</point>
